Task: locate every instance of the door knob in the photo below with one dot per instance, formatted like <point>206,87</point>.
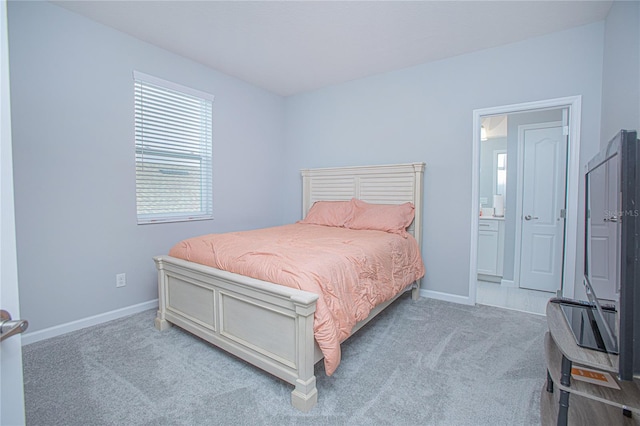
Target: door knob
<point>9,327</point>
<point>529,217</point>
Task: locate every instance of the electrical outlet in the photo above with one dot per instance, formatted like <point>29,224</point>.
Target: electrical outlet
<point>121,280</point>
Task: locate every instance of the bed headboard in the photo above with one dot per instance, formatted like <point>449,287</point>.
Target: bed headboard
<point>385,184</point>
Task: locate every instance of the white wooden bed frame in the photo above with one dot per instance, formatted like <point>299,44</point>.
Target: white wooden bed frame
<point>270,325</point>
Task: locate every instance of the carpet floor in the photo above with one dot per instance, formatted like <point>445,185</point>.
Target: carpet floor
<point>424,362</point>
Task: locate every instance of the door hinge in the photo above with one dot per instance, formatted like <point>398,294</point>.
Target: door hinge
<point>565,130</point>
<point>563,213</point>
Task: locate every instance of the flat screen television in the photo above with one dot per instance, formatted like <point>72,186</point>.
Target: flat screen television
<point>612,251</point>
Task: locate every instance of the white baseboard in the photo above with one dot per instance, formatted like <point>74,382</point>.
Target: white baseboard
<point>447,297</point>
<point>61,329</point>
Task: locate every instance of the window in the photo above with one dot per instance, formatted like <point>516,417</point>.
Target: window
<point>500,172</point>
<point>173,132</point>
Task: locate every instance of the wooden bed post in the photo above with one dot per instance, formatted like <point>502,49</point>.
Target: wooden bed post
<point>161,322</point>
<point>305,395</point>
<point>415,291</point>
<point>417,221</point>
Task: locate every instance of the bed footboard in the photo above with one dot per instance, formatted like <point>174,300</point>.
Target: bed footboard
<point>267,325</point>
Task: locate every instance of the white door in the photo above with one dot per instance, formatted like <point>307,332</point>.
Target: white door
<point>11,389</point>
<point>543,203</point>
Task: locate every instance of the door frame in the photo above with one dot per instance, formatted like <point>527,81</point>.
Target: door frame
<point>574,106</point>
<point>519,196</point>
<point>12,385</point>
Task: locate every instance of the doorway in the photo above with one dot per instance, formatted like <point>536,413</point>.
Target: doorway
<point>529,220</point>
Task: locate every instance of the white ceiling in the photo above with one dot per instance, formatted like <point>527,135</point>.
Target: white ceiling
<point>289,47</point>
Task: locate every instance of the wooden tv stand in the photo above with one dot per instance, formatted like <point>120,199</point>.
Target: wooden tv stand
<point>590,404</point>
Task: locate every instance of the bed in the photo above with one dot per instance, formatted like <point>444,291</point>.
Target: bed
<point>269,325</point>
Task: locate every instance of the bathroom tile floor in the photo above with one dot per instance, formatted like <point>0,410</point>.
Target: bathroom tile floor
<point>518,299</point>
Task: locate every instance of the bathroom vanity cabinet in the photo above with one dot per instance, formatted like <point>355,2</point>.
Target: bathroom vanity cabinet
<point>490,248</point>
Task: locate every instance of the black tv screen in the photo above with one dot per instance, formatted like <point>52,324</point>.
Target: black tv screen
<point>612,247</point>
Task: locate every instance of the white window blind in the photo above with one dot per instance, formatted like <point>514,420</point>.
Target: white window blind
<point>173,132</point>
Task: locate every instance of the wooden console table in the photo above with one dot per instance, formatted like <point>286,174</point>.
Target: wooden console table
<point>590,404</point>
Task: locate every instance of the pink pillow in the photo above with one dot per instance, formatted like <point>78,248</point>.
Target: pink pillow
<point>329,213</point>
<point>394,218</point>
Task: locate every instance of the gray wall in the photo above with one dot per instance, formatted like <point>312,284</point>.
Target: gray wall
<point>72,108</point>
<point>424,113</point>
<point>621,70</point>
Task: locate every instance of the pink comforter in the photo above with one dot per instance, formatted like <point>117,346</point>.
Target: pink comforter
<point>351,270</point>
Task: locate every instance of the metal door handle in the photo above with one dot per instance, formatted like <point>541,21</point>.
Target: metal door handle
<point>529,217</point>
<point>8,327</point>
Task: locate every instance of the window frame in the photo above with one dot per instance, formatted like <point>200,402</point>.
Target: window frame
<point>496,172</point>
<point>204,156</point>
